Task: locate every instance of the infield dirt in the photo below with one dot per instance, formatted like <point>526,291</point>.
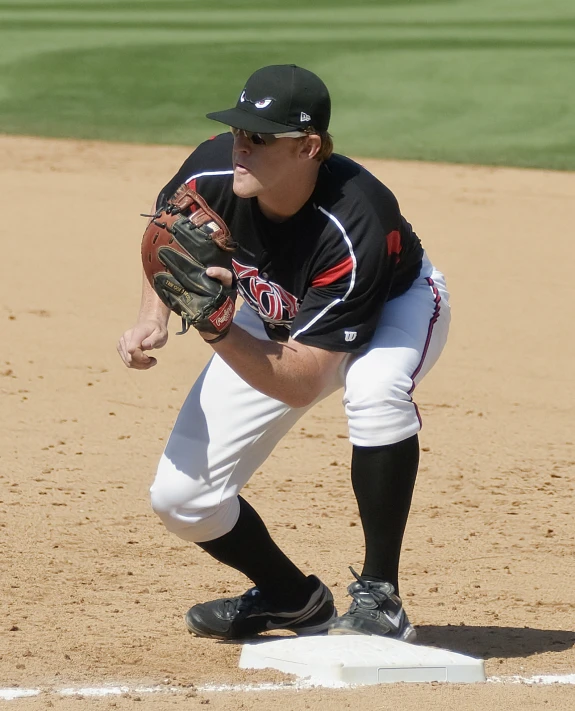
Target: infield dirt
<point>93,589</point>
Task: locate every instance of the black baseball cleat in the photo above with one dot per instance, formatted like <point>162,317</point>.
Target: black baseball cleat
<point>250,614</point>
<point>375,610</point>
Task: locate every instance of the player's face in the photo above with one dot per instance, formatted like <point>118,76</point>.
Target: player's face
<point>264,165</point>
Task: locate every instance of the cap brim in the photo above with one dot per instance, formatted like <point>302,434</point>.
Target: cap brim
<point>242,119</point>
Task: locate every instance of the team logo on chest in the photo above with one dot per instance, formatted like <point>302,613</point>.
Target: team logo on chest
<point>272,302</point>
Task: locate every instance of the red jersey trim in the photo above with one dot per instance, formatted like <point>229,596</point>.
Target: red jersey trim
<point>393,243</point>
<point>334,273</point>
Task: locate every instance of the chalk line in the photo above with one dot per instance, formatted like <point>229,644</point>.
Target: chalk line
<point>14,693</point>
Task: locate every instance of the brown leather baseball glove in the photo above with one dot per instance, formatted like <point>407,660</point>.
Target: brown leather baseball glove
<point>182,239</point>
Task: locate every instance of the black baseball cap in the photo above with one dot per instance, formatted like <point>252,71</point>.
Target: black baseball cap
<point>279,99</point>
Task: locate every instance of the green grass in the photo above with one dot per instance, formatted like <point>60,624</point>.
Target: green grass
<point>472,81</point>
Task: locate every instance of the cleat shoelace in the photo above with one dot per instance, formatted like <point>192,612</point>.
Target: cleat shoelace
<point>376,591</point>
<point>250,601</point>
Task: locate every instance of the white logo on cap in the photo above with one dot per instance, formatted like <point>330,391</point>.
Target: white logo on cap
<point>350,336</point>
<point>259,104</point>
<point>304,117</point>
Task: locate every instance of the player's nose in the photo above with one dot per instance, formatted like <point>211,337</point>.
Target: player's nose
<point>241,143</point>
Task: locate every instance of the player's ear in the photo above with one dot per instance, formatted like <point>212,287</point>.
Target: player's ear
<point>310,146</point>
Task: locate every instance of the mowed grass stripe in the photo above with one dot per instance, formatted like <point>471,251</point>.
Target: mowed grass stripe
<point>221,4</point>
<point>408,36</point>
<point>347,40</point>
<point>385,30</point>
<point>249,16</point>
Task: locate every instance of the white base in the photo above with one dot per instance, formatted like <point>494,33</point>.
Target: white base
<point>359,659</point>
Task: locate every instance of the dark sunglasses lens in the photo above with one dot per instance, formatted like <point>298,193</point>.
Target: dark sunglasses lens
<point>256,138</point>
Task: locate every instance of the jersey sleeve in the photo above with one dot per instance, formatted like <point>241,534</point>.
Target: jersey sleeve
<point>347,291</point>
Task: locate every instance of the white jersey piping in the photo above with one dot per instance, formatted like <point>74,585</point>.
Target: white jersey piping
<point>353,272</point>
<point>214,172</point>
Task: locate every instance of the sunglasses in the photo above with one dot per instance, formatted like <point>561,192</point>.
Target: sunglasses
<point>266,139</point>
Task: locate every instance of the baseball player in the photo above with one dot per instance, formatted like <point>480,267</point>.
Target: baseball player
<point>337,293</point>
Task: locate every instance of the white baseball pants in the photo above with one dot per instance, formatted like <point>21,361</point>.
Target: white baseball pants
<point>226,429</point>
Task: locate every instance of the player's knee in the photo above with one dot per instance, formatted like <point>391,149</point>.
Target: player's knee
<point>191,520</point>
<point>381,411</point>
<point>391,389</point>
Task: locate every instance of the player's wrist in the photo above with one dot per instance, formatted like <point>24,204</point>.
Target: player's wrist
<point>215,339</point>
<point>160,319</point>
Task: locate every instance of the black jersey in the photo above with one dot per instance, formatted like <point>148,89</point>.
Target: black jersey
<point>323,275</point>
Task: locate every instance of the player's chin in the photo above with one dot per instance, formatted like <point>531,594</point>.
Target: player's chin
<point>246,186</point>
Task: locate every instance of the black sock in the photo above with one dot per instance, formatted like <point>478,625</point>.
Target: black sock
<point>383,479</point>
<point>249,548</point>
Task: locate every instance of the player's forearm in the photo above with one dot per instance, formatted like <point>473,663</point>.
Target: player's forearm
<point>291,375</point>
<point>151,306</point>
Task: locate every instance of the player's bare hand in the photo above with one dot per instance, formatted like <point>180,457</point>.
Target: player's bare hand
<point>145,336</point>
<point>221,274</point>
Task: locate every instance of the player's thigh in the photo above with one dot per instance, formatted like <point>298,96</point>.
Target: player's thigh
<point>408,341</point>
<point>414,327</point>
<point>224,432</point>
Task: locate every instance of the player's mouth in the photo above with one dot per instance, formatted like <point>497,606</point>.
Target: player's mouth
<point>241,169</point>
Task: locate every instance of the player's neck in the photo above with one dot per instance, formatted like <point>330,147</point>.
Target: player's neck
<point>284,201</point>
